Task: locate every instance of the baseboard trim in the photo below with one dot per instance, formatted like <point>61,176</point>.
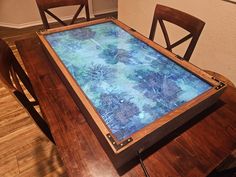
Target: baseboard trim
<point>105,11</point>
<point>19,26</point>
<point>32,23</point>
<point>39,22</point>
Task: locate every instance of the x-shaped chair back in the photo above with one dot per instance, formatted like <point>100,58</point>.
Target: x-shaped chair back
<point>188,22</point>
<point>45,5</point>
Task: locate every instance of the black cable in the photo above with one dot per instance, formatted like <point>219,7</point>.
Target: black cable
<point>142,165</point>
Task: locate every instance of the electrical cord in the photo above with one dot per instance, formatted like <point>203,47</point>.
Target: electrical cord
<point>142,165</point>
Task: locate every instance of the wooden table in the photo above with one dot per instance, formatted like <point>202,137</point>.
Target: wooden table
<point>195,149</point>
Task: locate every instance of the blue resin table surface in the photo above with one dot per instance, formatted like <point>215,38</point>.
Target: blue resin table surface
<point>129,83</point>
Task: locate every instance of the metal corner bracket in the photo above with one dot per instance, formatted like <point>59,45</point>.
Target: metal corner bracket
<point>221,84</point>
<point>41,31</point>
<point>120,145</point>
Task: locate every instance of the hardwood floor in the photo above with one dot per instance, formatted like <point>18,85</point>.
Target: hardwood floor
<point>24,150</point>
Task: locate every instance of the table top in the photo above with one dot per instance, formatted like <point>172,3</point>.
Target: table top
<point>195,149</point>
<point>129,83</point>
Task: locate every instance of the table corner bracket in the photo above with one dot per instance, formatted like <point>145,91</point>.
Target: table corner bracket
<point>220,85</point>
<point>119,145</point>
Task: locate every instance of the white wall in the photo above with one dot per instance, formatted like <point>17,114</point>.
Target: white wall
<point>23,13</point>
<point>104,6</point>
<point>216,48</point>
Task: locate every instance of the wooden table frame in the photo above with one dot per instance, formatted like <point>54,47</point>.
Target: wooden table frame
<point>201,145</point>
<point>122,152</point>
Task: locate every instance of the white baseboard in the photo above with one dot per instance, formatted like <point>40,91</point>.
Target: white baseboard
<point>22,25</point>
<point>32,23</point>
<point>39,22</point>
<point>105,11</point>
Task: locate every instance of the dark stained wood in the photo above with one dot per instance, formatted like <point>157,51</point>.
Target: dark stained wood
<point>11,73</point>
<point>45,5</point>
<point>191,24</point>
<point>192,150</point>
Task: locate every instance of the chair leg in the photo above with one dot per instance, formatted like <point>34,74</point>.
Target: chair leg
<point>40,122</point>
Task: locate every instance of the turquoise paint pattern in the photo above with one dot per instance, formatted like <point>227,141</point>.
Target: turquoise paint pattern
<point>129,83</point>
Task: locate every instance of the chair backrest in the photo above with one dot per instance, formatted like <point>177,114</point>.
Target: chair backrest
<point>12,75</point>
<point>191,24</point>
<point>45,5</point>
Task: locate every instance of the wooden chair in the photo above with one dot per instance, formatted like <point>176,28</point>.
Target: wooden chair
<point>191,24</point>
<point>45,5</point>
<point>11,73</point>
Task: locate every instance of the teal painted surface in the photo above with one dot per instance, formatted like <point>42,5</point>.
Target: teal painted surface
<point>129,83</point>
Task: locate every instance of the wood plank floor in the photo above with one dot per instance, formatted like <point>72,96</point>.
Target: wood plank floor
<point>24,150</point>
